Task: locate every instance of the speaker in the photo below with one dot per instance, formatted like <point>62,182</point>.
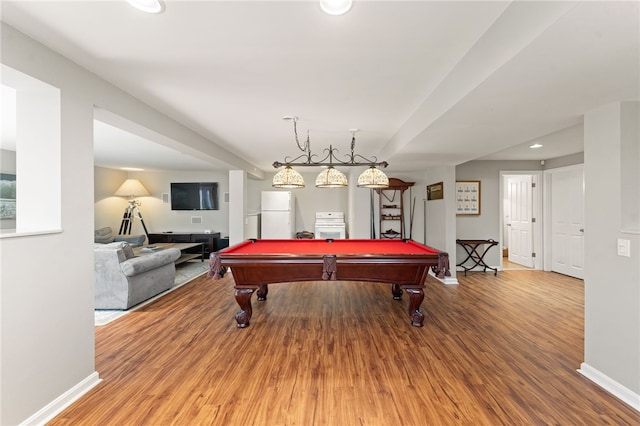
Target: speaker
<point>196,219</point>
<point>226,197</point>
<point>165,198</point>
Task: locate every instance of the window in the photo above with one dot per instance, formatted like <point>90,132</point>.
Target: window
<point>30,153</point>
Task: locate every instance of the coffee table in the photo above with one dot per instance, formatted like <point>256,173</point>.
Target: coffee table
<point>183,247</point>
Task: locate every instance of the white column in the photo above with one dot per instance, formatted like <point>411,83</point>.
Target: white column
<point>237,205</point>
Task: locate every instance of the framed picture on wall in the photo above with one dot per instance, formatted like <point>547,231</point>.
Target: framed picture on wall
<point>435,191</point>
<point>468,197</point>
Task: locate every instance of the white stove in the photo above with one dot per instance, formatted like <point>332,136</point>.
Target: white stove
<point>330,225</point>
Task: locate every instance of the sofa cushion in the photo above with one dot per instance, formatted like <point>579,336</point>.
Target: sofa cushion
<point>103,235</point>
<point>123,250</point>
<point>140,264</point>
<point>134,240</point>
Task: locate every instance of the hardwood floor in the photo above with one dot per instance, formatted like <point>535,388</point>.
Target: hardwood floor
<point>494,351</point>
<point>512,266</point>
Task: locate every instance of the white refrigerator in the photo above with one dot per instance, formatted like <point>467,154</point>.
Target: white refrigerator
<point>277,215</point>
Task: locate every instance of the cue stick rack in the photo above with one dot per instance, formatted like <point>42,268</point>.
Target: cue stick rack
<point>391,212</point>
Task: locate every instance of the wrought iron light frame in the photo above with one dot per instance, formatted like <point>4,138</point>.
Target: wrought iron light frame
<point>330,160</point>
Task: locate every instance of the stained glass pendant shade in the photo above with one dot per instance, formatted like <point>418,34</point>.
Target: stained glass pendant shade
<point>331,178</point>
<point>373,178</point>
<point>288,178</point>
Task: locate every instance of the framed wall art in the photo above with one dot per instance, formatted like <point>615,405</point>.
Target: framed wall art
<point>468,197</point>
<point>435,191</point>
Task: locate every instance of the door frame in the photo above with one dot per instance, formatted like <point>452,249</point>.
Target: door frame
<point>537,213</point>
<point>547,209</point>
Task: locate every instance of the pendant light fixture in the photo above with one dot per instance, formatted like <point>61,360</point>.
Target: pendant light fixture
<point>330,177</point>
<point>288,178</point>
<point>373,178</point>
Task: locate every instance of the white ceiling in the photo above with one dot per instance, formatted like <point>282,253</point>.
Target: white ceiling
<point>427,83</point>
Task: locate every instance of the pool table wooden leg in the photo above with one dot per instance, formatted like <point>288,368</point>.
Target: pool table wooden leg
<point>416,296</point>
<point>243,297</point>
<point>396,290</point>
<point>262,292</point>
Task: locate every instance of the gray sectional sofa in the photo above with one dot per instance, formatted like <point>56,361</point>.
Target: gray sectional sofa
<point>123,280</point>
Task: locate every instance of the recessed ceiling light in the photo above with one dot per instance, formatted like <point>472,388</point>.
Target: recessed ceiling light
<point>131,169</point>
<point>535,145</point>
<point>336,7</point>
<point>149,6</point>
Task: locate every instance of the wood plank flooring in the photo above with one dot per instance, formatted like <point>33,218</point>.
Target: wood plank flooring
<point>494,351</point>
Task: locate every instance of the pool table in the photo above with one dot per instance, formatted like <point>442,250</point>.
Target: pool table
<point>400,262</point>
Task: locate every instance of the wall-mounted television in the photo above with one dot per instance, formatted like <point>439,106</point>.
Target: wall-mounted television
<point>194,196</point>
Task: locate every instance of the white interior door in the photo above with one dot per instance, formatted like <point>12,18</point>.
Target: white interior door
<point>567,222</point>
<point>519,225</point>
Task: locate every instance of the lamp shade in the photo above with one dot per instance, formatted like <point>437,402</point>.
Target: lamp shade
<point>373,178</point>
<point>131,188</point>
<point>288,178</point>
<point>331,178</point>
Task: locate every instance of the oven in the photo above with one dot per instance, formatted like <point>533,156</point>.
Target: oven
<point>330,225</point>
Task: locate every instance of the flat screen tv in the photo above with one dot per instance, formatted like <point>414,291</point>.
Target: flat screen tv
<point>194,196</point>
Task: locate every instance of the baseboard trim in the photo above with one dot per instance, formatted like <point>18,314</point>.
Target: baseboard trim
<point>449,280</point>
<point>445,280</point>
<point>607,383</point>
<point>56,406</point>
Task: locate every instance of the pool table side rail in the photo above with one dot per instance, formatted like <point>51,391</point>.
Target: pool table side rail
<point>266,270</point>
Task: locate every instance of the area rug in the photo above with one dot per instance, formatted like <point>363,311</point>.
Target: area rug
<point>185,272</point>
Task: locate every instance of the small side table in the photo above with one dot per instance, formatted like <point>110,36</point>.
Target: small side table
<point>471,247</point>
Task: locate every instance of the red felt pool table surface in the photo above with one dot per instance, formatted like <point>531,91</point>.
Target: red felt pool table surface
<point>337,247</point>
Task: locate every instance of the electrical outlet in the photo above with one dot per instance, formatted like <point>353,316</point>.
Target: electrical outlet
<point>624,247</point>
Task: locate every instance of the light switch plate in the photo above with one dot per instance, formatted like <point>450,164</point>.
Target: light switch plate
<point>624,247</point>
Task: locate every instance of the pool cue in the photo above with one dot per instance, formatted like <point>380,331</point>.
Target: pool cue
<point>412,215</point>
<point>372,231</point>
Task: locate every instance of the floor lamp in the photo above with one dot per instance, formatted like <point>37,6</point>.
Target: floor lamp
<point>131,188</point>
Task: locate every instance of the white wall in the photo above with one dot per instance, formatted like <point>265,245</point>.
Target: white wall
<point>567,160</point>
<point>612,282</point>
<point>441,214</point>
<point>47,336</point>
<point>7,161</point>
<point>109,209</point>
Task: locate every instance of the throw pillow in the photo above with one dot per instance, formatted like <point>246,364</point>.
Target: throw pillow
<point>103,236</point>
<point>128,250</point>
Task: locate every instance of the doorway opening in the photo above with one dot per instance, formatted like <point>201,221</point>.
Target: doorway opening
<point>521,220</point>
